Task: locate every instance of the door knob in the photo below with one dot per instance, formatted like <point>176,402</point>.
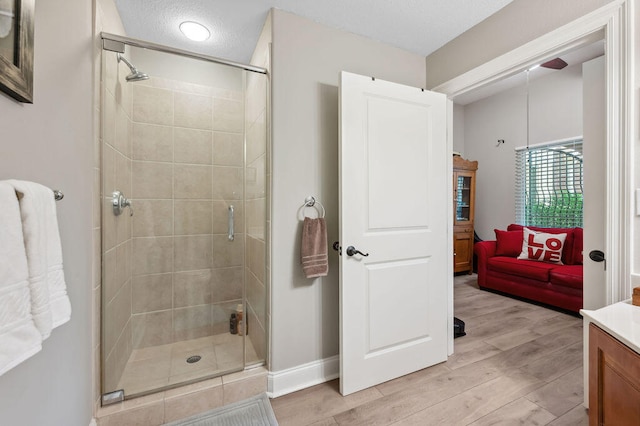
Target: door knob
<point>598,256</point>
<point>351,250</point>
<point>336,247</point>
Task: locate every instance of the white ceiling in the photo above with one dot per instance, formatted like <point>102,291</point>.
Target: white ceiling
<point>419,26</point>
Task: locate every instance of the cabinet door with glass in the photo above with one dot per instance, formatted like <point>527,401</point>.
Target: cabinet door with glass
<point>464,188</point>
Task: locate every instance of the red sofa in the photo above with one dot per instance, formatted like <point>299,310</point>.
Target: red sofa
<point>558,285</point>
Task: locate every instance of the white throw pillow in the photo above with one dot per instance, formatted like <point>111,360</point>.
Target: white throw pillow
<point>541,246</point>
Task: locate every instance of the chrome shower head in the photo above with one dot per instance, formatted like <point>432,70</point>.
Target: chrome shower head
<point>135,74</point>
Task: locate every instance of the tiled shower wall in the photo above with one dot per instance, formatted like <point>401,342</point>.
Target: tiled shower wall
<point>256,157</point>
<point>116,235</point>
<point>187,169</point>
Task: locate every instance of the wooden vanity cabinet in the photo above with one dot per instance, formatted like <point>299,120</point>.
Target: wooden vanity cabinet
<point>614,381</point>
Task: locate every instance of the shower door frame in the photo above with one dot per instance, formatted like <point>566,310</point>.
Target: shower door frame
<point>116,43</point>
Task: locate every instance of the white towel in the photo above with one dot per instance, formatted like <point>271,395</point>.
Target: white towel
<point>19,337</point>
<point>50,304</point>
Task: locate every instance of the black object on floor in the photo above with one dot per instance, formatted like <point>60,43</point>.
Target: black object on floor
<point>458,328</point>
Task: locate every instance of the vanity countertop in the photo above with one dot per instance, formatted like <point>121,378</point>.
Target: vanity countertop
<point>621,320</point>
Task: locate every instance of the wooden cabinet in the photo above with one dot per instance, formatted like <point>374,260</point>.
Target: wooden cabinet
<point>614,381</point>
<point>464,188</point>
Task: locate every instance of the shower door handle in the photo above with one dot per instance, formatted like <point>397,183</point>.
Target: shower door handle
<point>231,235</point>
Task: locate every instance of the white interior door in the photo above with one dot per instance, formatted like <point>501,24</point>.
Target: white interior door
<point>393,207</point>
<point>595,157</point>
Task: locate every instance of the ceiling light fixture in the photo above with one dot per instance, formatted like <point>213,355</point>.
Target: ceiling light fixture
<point>194,31</point>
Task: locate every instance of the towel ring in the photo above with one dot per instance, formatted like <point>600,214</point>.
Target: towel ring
<point>311,202</point>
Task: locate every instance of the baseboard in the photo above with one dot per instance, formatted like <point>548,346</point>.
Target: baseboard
<point>93,422</point>
<point>303,376</point>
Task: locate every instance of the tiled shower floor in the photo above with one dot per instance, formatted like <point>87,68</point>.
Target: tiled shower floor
<point>158,366</point>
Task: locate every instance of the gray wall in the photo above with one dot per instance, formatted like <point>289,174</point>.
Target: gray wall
<point>307,60</point>
<point>512,26</point>
<point>555,113</point>
<point>50,142</point>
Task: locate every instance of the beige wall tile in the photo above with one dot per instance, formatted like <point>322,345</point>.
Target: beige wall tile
<point>152,180</point>
<point>147,415</point>
<point>96,198</point>
<point>258,339</point>
<point>255,257</point>
<point>179,407</point>
<point>123,264</point>
<point>152,255</point>
<point>123,226</point>
<point>221,314</point>
<point>153,106</point>
<point>228,149</point>
<point>256,296</point>
<point>193,111</point>
<point>109,226</point>
<point>194,387</point>
<point>256,139</point>
<point>243,389</point>
<point>193,252</point>
<point>192,181</point>
<point>229,354</point>
<point>151,329</point>
<point>256,96</point>
<point>151,142</point>
<point>110,282</point>
<point>193,146</point>
<point>110,76</point>
<point>228,115</point>
<point>109,119</point>
<point>192,288</point>
<point>255,178</point>
<point>152,218</point>
<point>122,141</point>
<point>121,352</point>
<point>256,217</point>
<point>227,183</point>
<point>108,169</point>
<point>226,284</point>
<point>116,316</point>
<point>123,174</point>
<point>221,217</point>
<point>152,293</point>
<point>227,253</point>
<point>192,322</point>
<point>126,99</point>
<point>192,217</point>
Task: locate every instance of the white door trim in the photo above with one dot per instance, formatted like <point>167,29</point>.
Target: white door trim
<point>613,22</point>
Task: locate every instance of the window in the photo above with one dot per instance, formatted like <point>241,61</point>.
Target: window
<point>549,185</point>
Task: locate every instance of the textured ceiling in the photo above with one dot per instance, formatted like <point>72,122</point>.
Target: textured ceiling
<point>419,26</point>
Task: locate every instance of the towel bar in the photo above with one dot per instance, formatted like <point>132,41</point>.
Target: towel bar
<point>58,195</point>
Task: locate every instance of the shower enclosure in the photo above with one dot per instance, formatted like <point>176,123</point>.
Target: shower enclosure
<point>183,141</point>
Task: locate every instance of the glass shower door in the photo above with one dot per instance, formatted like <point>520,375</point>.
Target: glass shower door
<point>173,296</point>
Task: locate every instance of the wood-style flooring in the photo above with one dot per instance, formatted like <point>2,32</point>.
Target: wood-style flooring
<point>519,364</point>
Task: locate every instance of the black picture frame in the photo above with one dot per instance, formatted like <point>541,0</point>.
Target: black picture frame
<point>16,73</point>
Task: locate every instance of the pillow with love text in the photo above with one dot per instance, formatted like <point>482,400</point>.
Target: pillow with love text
<point>541,246</point>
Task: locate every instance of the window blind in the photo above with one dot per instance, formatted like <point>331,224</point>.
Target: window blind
<point>549,182</point>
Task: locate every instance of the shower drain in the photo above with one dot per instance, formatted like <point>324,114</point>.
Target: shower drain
<point>194,358</point>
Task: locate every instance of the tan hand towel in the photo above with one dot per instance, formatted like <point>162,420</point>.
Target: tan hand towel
<point>314,252</point>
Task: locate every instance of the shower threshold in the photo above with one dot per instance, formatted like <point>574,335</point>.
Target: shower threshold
<point>158,367</point>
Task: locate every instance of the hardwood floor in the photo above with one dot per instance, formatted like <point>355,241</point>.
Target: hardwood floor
<point>519,364</point>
